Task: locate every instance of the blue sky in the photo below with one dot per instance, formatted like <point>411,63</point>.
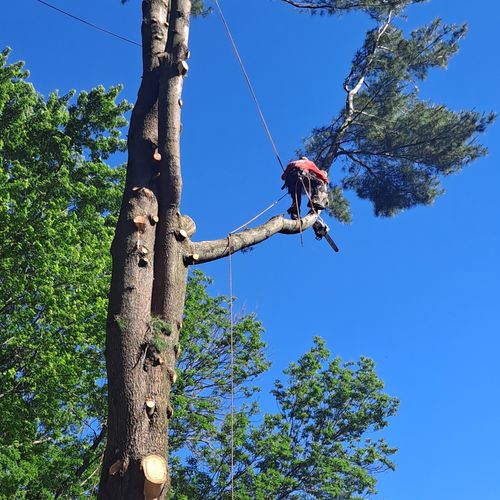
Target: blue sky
<point>418,293</point>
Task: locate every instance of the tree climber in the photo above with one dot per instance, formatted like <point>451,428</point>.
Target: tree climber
<point>304,176</point>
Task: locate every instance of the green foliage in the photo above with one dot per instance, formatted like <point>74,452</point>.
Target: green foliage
<point>159,326</point>
<point>395,147</point>
<point>338,205</point>
<point>58,201</point>
<point>161,330</point>
<point>378,9</point>
<point>199,8</point>
<point>159,343</point>
<point>122,325</point>
<point>201,394</point>
<point>316,446</point>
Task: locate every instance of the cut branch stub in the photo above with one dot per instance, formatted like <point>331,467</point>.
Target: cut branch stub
<point>147,192</point>
<point>188,224</point>
<point>177,351</point>
<point>183,234</point>
<point>192,259</point>
<point>115,468</point>
<point>144,190</point>
<point>155,475</point>
<point>172,374</point>
<point>150,406</point>
<point>140,223</point>
<point>183,68</point>
<point>157,155</point>
<point>170,411</point>
<point>143,262</point>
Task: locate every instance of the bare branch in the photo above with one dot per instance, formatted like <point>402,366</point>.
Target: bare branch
<point>88,460</point>
<point>206,251</point>
<point>352,92</point>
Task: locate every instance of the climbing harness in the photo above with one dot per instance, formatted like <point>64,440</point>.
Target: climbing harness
<point>320,227</point>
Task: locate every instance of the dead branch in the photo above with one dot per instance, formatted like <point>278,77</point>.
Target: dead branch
<point>352,92</point>
<point>206,251</point>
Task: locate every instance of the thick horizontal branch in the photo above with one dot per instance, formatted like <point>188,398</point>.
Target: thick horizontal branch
<point>206,251</point>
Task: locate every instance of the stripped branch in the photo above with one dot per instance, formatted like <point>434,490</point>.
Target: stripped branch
<point>207,251</point>
<point>302,5</point>
<point>88,460</point>
<point>352,91</point>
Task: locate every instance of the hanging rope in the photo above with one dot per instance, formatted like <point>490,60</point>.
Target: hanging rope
<point>249,83</point>
<point>231,359</point>
<point>243,226</point>
<point>298,214</point>
<point>260,214</point>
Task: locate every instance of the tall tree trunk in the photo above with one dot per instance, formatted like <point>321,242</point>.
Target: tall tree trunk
<point>151,253</point>
<point>142,334</point>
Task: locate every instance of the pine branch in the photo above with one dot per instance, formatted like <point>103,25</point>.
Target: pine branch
<point>352,92</point>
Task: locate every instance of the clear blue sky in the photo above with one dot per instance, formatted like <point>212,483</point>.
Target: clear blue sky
<point>419,293</point>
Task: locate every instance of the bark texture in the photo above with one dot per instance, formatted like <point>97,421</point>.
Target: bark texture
<point>151,254</point>
<point>206,251</point>
<point>140,350</point>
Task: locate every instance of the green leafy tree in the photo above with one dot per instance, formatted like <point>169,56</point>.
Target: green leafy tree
<point>393,146</point>
<point>315,447</point>
<point>58,204</point>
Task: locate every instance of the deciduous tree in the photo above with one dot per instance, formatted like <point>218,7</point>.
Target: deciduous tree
<point>58,205</point>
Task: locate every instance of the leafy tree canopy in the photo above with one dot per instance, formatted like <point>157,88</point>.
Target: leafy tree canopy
<point>316,446</point>
<point>58,201</point>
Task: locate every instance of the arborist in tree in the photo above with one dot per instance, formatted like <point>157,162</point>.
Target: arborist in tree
<point>303,176</point>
